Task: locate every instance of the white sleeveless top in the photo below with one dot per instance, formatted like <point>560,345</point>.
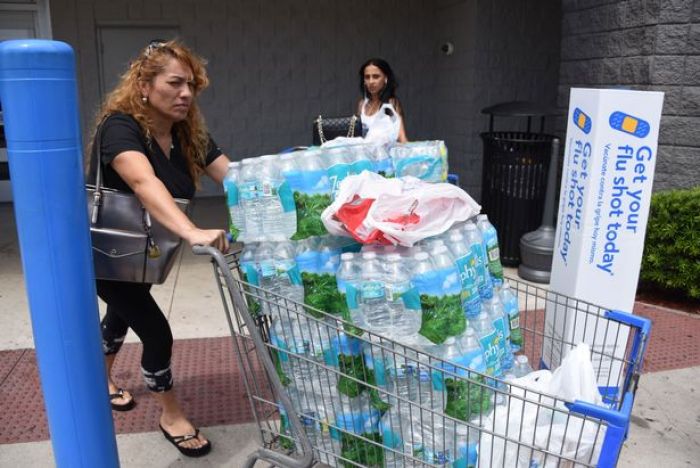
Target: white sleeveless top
<point>383,126</point>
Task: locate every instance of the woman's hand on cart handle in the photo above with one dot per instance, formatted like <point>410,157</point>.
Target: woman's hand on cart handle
<point>214,237</point>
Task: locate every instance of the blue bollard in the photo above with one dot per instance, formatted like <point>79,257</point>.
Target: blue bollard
<point>39,101</point>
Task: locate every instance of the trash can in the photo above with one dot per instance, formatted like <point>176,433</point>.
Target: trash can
<point>514,176</point>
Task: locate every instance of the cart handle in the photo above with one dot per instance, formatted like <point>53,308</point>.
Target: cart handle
<point>263,454</point>
<point>616,431</point>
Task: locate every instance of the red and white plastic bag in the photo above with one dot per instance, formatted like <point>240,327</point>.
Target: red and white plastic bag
<point>399,211</point>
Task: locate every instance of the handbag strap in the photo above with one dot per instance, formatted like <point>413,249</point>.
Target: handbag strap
<point>98,174</point>
<point>319,126</point>
<point>97,197</point>
<point>351,129</point>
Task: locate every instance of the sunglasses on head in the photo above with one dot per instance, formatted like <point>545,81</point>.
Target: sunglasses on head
<point>155,44</point>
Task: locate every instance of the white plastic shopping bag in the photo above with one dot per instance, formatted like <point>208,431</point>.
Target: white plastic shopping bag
<point>527,419</point>
<point>400,211</point>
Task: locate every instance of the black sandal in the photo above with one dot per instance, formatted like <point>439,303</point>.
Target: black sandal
<point>124,407</point>
<point>186,451</point>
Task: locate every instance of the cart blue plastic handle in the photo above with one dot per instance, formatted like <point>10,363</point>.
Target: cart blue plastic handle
<point>616,430</point>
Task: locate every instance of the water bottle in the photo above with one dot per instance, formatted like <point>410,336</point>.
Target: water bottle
<point>433,242</point>
<point>485,331</point>
<point>444,372</point>
<point>373,306</point>
<point>500,323</point>
<point>348,279</point>
<point>267,276</point>
<point>465,261</point>
<point>247,262</point>
<point>325,396</point>
<point>249,271</point>
<point>475,243</point>
<point>293,176</point>
<point>409,256</point>
<point>510,305</point>
<point>490,237</point>
<point>521,367</point>
<point>313,194</point>
<point>295,352</point>
<point>361,159</point>
<point>277,201</point>
<point>338,166</point>
<point>250,199</point>
<point>424,435</point>
<point>438,284</point>
<point>381,161</point>
<point>354,414</point>
<point>329,256</point>
<point>232,182</point>
<point>467,441</point>
<point>415,159</point>
<point>289,284</point>
<point>402,298</point>
<point>438,440</point>
<point>473,357</point>
<point>309,424</point>
<point>465,395</point>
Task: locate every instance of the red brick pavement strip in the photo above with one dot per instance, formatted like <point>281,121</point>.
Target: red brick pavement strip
<point>208,378</point>
<point>675,339</point>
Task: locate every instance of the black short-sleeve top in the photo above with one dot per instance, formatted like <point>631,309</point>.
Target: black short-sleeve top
<point>121,132</point>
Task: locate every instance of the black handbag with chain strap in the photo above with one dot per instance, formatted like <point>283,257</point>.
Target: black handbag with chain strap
<point>328,128</point>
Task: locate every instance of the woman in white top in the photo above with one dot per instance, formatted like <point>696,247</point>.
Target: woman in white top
<point>379,109</point>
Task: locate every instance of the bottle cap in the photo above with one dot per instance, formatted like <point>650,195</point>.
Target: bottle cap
<point>347,256</point>
<point>521,359</point>
<point>393,257</point>
<point>440,249</point>
<point>268,157</point>
<point>456,237</point>
<point>234,164</point>
<point>450,340</point>
<point>420,256</point>
<point>482,217</point>
<point>469,226</point>
<point>369,255</point>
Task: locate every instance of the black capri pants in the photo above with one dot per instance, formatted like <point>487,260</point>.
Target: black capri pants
<point>130,305</point>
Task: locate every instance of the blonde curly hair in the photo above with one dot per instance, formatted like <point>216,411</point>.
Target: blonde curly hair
<point>126,99</point>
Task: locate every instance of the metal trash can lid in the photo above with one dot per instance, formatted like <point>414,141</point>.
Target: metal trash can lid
<point>519,109</point>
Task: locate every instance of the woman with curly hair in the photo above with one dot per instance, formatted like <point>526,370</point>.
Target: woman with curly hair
<point>154,143</point>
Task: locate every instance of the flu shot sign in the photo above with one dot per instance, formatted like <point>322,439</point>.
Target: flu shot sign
<point>608,171</point>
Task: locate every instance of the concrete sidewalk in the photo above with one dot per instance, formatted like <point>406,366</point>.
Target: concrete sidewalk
<point>663,431</point>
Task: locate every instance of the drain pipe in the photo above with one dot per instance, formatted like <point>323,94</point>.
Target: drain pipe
<point>39,101</point>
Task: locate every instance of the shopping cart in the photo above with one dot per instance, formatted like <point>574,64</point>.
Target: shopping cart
<point>323,402</point>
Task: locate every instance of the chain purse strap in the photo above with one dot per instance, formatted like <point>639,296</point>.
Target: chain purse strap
<point>319,126</point>
<point>351,129</point>
<point>153,249</point>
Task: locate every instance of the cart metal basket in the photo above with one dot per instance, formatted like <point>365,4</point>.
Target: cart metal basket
<point>352,398</point>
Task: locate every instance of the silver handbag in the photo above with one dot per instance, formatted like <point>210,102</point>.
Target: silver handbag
<point>127,245</point>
